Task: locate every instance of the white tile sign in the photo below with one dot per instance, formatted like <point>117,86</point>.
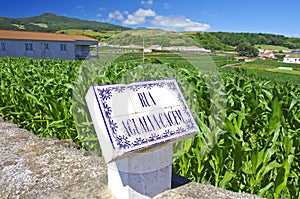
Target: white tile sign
<point>140,115</point>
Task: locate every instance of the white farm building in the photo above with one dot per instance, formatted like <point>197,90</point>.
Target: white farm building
<point>46,45</point>
<point>292,58</point>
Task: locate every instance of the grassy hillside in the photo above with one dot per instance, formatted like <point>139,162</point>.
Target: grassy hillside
<point>99,35</point>
<point>151,37</point>
<point>270,47</point>
<point>215,41</point>
<point>51,23</point>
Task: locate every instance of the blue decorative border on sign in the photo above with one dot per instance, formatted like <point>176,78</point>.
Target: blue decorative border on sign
<point>123,141</point>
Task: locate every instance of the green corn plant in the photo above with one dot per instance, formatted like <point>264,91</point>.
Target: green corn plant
<point>251,145</point>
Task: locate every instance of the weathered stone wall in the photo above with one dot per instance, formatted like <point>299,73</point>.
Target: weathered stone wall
<point>33,167</point>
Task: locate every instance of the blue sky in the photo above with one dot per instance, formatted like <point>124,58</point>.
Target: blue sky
<point>258,16</point>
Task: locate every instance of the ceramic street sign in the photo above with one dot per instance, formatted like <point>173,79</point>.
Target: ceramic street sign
<point>140,115</point>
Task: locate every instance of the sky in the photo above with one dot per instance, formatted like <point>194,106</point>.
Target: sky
<point>255,16</point>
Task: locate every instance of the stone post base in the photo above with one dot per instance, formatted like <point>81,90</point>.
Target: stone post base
<point>146,174</point>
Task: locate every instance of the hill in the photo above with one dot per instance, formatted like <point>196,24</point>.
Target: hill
<point>49,22</point>
<point>151,37</point>
<point>229,40</point>
<point>214,41</point>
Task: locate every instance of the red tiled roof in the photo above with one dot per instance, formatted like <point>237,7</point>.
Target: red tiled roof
<point>41,36</point>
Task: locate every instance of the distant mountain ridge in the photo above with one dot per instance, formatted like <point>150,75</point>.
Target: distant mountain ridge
<point>49,22</point>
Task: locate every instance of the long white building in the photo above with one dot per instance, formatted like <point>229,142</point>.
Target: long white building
<point>292,58</point>
<point>46,45</point>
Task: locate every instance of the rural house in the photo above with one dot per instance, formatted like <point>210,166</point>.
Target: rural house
<point>292,58</point>
<point>153,48</point>
<point>46,45</point>
<point>268,54</point>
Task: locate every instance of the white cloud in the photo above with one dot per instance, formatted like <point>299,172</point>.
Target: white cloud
<point>116,15</point>
<point>179,22</point>
<point>139,17</point>
<point>147,2</point>
<point>148,16</point>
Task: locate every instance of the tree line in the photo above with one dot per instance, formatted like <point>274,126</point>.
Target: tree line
<point>229,41</point>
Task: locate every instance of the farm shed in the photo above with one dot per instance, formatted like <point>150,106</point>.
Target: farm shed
<point>292,58</point>
<point>46,45</point>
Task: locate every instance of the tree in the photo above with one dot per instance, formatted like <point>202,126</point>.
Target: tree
<point>245,49</point>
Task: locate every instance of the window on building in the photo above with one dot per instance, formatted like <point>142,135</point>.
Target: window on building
<point>28,47</point>
<point>63,47</point>
<point>46,46</point>
<point>2,47</point>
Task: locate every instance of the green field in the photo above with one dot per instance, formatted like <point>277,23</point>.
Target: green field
<point>168,58</point>
<point>270,47</point>
<point>272,64</point>
<point>274,75</point>
<point>249,124</point>
<point>100,35</point>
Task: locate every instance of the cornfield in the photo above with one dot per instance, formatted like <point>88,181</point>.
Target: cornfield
<point>254,150</point>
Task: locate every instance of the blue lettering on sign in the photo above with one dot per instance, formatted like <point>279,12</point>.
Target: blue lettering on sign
<point>130,127</point>
<point>144,99</point>
<point>154,122</point>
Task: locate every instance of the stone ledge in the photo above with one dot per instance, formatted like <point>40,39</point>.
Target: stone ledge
<point>44,168</point>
